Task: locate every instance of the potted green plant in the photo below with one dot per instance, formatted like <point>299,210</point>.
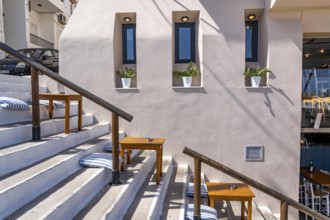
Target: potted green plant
<point>255,74</point>
<point>126,75</point>
<point>187,74</point>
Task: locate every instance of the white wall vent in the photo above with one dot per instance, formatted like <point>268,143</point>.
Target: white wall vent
<point>61,18</point>
<point>254,153</point>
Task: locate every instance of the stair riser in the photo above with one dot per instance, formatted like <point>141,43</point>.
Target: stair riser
<point>118,210</point>
<point>13,87</point>
<point>15,79</point>
<point>81,197</point>
<point>11,117</point>
<point>22,193</point>
<point>24,133</point>
<point>25,157</point>
<point>157,206</point>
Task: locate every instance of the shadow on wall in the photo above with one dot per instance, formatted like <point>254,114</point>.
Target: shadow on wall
<point>267,130</point>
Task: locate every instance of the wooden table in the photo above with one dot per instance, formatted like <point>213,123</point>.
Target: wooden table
<point>67,98</point>
<point>141,143</point>
<point>222,191</point>
<point>317,177</point>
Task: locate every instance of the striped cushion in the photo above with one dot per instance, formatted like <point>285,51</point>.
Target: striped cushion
<point>207,213</point>
<point>13,104</point>
<point>190,190</point>
<point>98,160</point>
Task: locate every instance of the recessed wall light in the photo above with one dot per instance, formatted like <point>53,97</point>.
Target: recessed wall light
<point>185,19</point>
<point>322,50</point>
<point>307,55</point>
<point>127,19</point>
<point>251,16</point>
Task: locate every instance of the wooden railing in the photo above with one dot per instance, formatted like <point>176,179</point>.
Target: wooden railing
<point>285,201</point>
<point>116,112</point>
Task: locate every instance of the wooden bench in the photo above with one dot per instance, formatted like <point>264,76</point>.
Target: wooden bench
<point>67,98</point>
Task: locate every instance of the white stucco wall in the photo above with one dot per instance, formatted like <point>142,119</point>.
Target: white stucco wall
<point>220,117</point>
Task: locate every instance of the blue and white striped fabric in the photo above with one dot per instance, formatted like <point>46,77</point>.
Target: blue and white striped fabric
<point>108,147</point>
<point>190,190</point>
<point>13,104</point>
<point>56,104</point>
<point>98,160</point>
<point>207,213</point>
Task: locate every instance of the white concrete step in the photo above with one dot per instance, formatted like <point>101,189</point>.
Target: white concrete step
<point>22,187</point>
<point>15,79</point>
<point>24,96</point>
<point>19,133</point>
<point>25,154</point>
<point>148,203</point>
<point>66,198</point>
<point>266,212</point>
<point>12,117</point>
<point>175,200</point>
<point>114,201</point>
<point>18,87</point>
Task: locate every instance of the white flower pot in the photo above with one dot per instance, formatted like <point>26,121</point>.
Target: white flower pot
<point>187,81</point>
<point>255,81</point>
<point>126,82</point>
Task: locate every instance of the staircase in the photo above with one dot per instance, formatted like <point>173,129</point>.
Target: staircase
<point>44,180</point>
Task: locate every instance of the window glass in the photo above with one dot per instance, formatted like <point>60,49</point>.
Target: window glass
<point>129,51</point>
<point>184,42</point>
<point>48,54</point>
<point>251,41</point>
<point>55,52</point>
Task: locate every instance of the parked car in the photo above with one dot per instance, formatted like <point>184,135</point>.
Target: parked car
<point>45,56</point>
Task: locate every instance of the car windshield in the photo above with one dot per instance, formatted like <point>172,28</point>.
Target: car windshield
<point>27,52</point>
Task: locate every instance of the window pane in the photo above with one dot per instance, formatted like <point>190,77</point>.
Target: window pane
<point>251,41</point>
<point>130,44</point>
<point>184,43</point>
<point>248,42</point>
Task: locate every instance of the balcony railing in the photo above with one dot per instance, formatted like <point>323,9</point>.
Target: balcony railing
<point>40,42</point>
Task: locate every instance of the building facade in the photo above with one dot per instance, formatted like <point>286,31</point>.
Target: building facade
<point>33,23</point>
<point>221,115</point>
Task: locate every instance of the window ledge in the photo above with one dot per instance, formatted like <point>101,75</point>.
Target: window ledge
<point>260,87</point>
<point>127,89</point>
<point>191,87</point>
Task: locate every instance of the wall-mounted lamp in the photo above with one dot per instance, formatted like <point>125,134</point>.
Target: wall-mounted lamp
<point>251,16</point>
<point>307,55</point>
<point>127,19</point>
<point>322,50</point>
<point>185,19</point>
<point>40,5</point>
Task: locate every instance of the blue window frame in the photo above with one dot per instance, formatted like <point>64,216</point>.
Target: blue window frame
<point>251,41</point>
<point>129,44</point>
<point>184,42</point>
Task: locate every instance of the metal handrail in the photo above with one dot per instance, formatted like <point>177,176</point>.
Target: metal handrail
<point>67,83</point>
<point>285,200</point>
<point>116,112</point>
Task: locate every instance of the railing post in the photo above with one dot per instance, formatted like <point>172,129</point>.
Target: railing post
<point>284,211</point>
<point>197,189</point>
<point>35,105</point>
<point>115,149</point>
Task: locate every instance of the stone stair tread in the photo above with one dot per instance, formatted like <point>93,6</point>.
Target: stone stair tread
<point>29,172</point>
<point>107,200</point>
<point>150,193</point>
<point>266,212</point>
<point>44,140</point>
<point>174,205</point>
<point>48,127</point>
<point>47,202</point>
